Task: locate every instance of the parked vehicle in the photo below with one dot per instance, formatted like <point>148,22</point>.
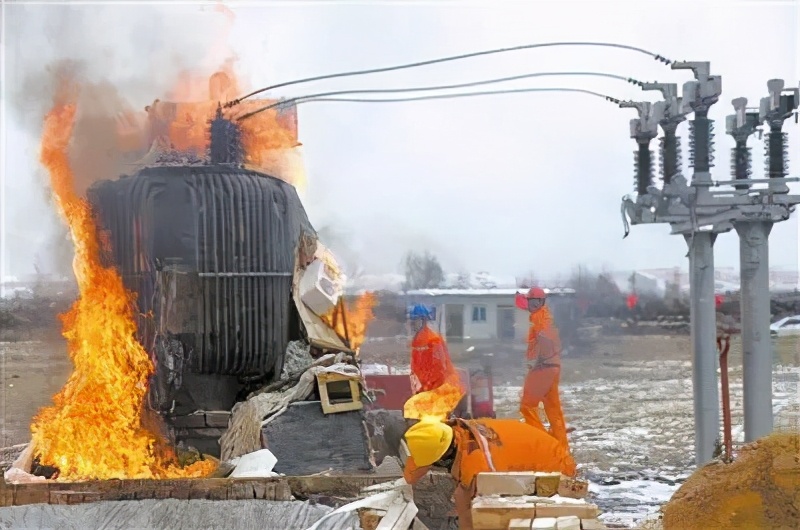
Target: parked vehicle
<point>786,326</point>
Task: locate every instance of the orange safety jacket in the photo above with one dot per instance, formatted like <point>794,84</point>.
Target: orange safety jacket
<point>487,445</point>
<point>544,344</point>
<point>430,361</point>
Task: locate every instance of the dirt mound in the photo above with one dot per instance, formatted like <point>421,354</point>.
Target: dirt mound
<point>760,489</point>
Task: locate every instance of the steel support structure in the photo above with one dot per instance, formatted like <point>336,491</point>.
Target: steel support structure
<point>754,255</point>
<point>700,212</point>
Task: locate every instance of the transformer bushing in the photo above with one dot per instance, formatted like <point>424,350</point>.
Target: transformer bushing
<point>671,116</point>
<point>225,141</point>
<point>741,126</point>
<point>644,129</point>
<point>773,111</point>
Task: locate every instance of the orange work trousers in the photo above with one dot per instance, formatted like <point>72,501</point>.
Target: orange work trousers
<point>462,497</point>
<point>541,386</point>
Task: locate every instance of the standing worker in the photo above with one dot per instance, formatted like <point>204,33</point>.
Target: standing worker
<point>435,382</point>
<point>544,368</point>
<point>469,447</point>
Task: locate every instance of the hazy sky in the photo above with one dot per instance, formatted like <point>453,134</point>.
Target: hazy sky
<point>507,184</point>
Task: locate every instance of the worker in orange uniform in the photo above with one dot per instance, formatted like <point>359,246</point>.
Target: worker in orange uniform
<point>469,447</point>
<point>435,382</point>
<point>544,368</point>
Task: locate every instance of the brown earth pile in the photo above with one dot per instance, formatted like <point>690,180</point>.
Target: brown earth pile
<point>760,489</point>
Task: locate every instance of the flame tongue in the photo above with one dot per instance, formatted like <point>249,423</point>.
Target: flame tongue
<point>94,428</point>
<point>359,315</point>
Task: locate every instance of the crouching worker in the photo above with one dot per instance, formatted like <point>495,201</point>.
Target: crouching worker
<point>434,380</point>
<point>469,447</point>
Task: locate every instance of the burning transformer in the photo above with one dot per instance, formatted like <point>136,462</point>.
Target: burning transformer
<point>215,250</point>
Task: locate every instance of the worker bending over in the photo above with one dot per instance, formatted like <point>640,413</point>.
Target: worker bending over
<point>544,368</point>
<point>435,382</point>
<point>469,447</point>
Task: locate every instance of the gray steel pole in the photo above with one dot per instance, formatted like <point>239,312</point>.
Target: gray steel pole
<point>703,307</point>
<point>756,342</point>
<point>704,345</point>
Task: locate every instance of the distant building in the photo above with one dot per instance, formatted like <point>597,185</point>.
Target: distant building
<point>484,316</point>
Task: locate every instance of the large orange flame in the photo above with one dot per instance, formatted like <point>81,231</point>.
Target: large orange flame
<point>268,137</point>
<point>358,316</point>
<point>94,430</point>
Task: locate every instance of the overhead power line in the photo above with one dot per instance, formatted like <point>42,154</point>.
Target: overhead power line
<point>655,56</point>
<point>320,97</point>
<point>440,87</point>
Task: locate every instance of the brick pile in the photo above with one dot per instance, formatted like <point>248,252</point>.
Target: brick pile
<point>531,500</point>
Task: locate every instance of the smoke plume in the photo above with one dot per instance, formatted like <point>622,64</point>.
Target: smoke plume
<point>120,58</point>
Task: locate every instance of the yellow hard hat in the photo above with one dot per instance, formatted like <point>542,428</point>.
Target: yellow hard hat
<point>428,440</point>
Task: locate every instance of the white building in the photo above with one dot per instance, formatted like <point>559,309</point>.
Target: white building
<point>480,315</point>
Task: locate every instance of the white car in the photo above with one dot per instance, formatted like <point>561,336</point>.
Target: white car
<point>786,326</point>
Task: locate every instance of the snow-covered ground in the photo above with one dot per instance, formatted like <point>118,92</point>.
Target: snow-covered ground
<point>634,437</point>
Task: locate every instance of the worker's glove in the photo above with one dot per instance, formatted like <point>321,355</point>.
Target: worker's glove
<point>416,386</point>
<point>535,365</point>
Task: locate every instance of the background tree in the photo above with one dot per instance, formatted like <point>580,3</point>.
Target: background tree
<point>422,271</point>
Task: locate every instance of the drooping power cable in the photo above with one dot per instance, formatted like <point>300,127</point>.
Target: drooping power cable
<point>321,97</point>
<point>442,87</point>
<point>655,56</point>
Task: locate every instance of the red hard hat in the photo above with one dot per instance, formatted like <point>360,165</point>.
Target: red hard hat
<point>536,292</point>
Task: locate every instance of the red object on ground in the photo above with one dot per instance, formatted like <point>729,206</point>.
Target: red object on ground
<point>632,301</point>
<point>393,390</point>
<point>482,395</point>
<point>718,299</point>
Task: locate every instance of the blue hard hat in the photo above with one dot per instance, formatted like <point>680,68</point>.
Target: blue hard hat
<point>419,311</point>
